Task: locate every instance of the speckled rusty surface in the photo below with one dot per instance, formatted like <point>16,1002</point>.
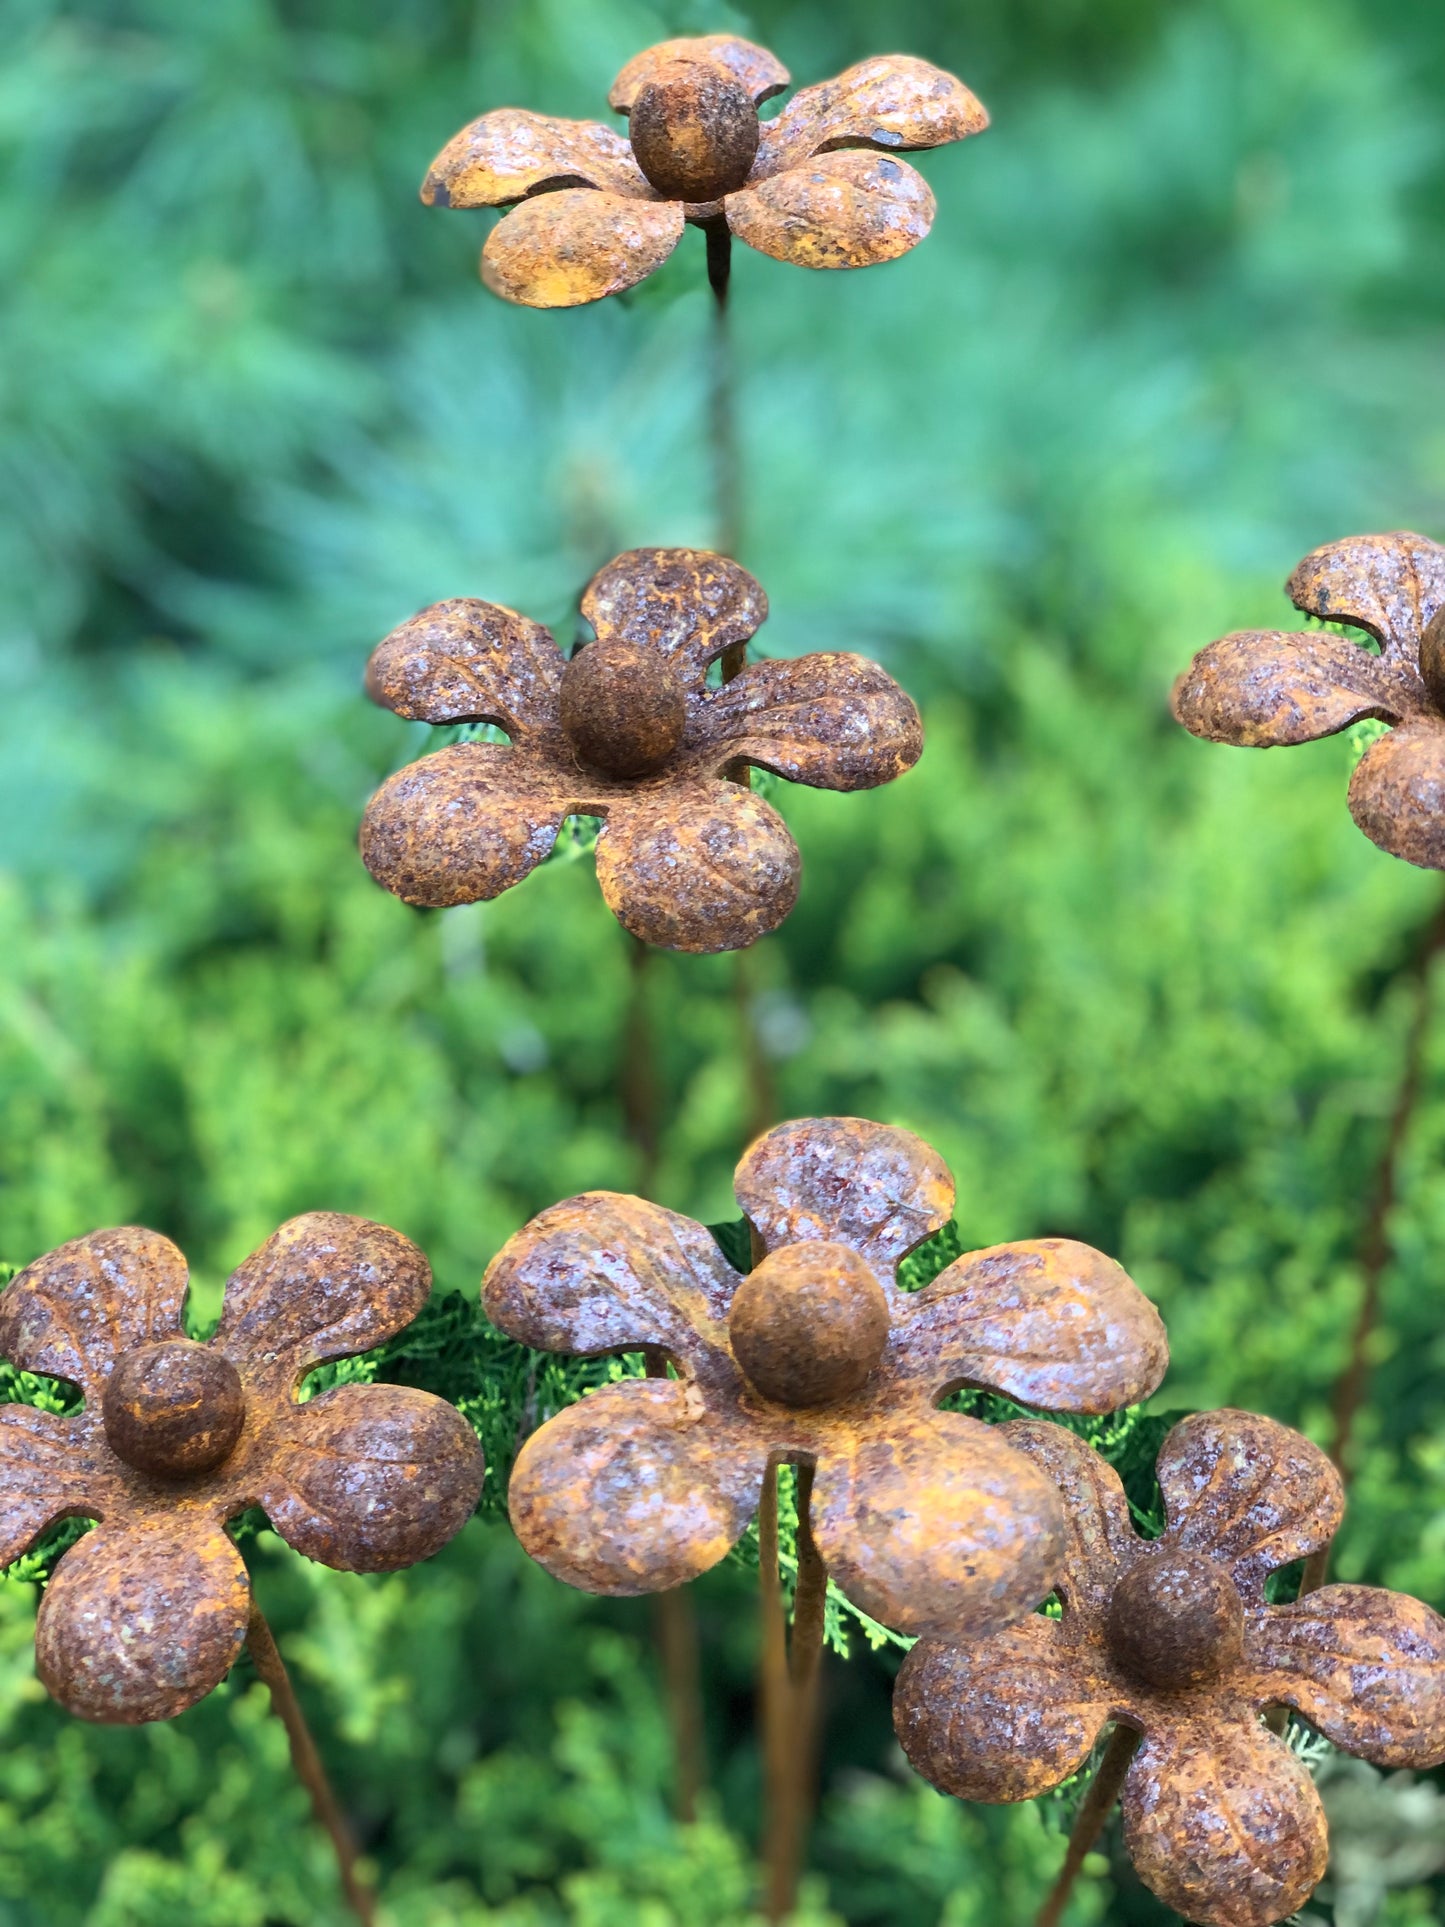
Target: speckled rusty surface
<point>925,1518</point>
<point>148,1612</point>
<point>1174,1638</point>
<point>627,730</point>
<point>1263,688</point>
<point>595,212</point>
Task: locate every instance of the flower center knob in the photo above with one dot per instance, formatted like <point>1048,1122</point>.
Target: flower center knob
<point>694,131</point>
<point>809,1324</point>
<point>174,1408</point>
<point>1176,1620</point>
<point>622,707</point>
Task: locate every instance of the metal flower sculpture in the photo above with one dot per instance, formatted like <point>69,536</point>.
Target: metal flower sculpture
<point>926,1518</point>
<point>598,212</point>
<point>1174,1637</point>
<point>627,730</point>
<point>1263,687</point>
<point>147,1613</point>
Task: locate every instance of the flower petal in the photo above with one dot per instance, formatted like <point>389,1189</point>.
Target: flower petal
<point>637,1488</point>
<point>1390,585</point>
<point>689,603</point>
<point>1249,1492</point>
<point>462,825</point>
<point>754,67</point>
<point>700,867</point>
<point>566,249</point>
<point>1261,688</point>
<point>1098,1531</point>
<point>846,210</point>
<point>47,1472</point>
<point>370,1478</point>
<point>1051,1323</point>
<point>892,101</point>
<point>1006,1719</point>
<point>1397,795</point>
<point>1224,1824</point>
<point>465,661</point>
<point>934,1526</point>
<point>605,1273</point>
<point>72,1312</point>
<point>1365,1666</point>
<point>841,1179</point>
<point>833,721</point>
<point>142,1618</point>
<point>510,153</point>
<point>323,1286</point>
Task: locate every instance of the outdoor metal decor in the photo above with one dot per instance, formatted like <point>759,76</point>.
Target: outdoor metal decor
<point>818,185</point>
<point>1262,687</point>
<point>627,730</point>
<point>148,1612</point>
<point>1176,1638</point>
<point>926,1518</point>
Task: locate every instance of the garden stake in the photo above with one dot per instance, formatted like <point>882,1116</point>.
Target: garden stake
<point>1090,1820</point>
<point>774,1702</point>
<point>790,1691</point>
<point>679,1650</point>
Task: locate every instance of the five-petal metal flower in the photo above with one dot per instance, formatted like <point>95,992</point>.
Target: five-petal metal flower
<point>1174,1638</point>
<point>817,185</point>
<point>926,1518</point>
<point>1262,687</point>
<point>627,730</point>
<point>147,1612</point>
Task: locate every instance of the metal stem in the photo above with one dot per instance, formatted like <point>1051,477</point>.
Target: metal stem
<point>678,1648</point>
<point>1094,1810</point>
<point>640,1085</point>
<point>790,1673</point>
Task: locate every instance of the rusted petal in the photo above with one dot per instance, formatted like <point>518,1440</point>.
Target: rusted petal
<point>462,825</point>
<point>842,1179</point>
<point>892,102</point>
<point>1099,1535</point>
<point>1261,688</point>
<point>1249,1492</point>
<point>700,867</point>
<point>71,1312</point>
<point>1365,1666</point>
<point>1390,585</point>
<point>845,210</point>
<point>142,1618</point>
<point>836,722</point>
<point>1224,1824</point>
<point>566,249</point>
<point>635,1489</point>
<point>47,1472</point>
<point>688,603</point>
<point>465,661</point>
<point>1397,795</point>
<point>1006,1719</point>
<point>510,153</point>
<point>933,1525</point>
<point>754,67</point>
<point>1051,1323</point>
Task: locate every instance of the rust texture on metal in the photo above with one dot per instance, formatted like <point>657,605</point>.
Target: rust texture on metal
<point>147,1613</point>
<point>1263,688</point>
<point>626,730</point>
<point>926,1518</point>
<point>594,212</point>
<point>1174,1638</point>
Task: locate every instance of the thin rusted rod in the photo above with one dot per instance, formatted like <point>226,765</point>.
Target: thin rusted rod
<point>675,1619</point>
<point>790,1685</point>
<point>640,1084</point>
<point>307,1762</point>
<point>1094,1810</point>
<point>775,1694</point>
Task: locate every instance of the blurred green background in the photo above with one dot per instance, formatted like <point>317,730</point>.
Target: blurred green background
<point>1181,319</point>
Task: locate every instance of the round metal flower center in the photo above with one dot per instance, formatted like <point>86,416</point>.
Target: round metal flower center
<point>174,1408</point>
<point>1176,1620</point>
<point>622,707</point>
<point>809,1324</point>
<point>694,131</point>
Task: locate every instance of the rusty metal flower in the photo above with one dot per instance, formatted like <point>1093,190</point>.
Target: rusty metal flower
<point>818,185</point>
<point>147,1612</point>
<point>1174,1638</point>
<point>925,1517</point>
<point>1264,687</point>
<point>627,730</point>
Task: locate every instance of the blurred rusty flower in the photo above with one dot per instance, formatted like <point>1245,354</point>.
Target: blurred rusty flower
<point>627,730</point>
<point>926,1518</point>
<point>598,212</point>
<point>1174,1638</point>
<point>1262,687</point>
<point>147,1613</point>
